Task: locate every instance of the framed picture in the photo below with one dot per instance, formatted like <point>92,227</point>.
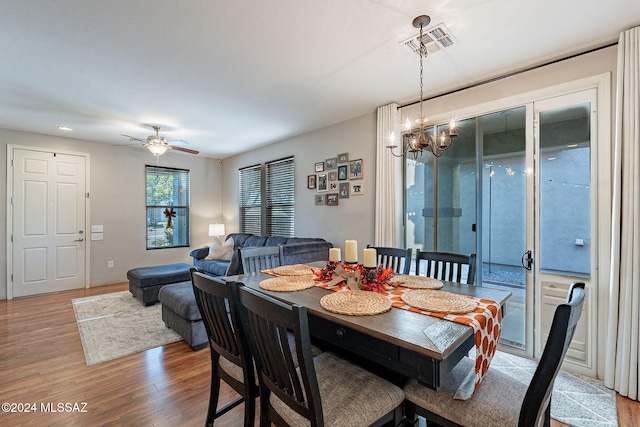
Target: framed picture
<point>355,169</point>
<point>319,167</point>
<point>333,186</point>
<point>343,158</point>
<point>321,199</point>
<point>333,176</point>
<point>322,182</point>
<point>344,190</point>
<point>357,189</point>
<point>342,172</point>
<point>311,181</point>
<point>332,199</point>
<point>330,163</point>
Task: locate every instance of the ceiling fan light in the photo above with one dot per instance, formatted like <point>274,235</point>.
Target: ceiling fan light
<point>157,150</point>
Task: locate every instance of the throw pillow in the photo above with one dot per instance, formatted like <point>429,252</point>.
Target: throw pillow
<point>215,244</point>
<point>222,252</point>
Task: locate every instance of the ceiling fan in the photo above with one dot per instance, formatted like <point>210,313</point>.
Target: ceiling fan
<point>158,144</point>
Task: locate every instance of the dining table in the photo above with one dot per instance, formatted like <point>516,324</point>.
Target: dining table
<point>403,343</point>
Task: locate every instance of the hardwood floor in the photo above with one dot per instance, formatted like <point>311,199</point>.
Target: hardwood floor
<point>42,363</point>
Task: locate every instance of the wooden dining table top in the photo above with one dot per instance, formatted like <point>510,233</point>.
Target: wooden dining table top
<point>419,333</point>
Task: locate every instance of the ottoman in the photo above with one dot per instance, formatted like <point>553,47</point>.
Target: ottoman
<point>180,312</point>
<point>145,282</point>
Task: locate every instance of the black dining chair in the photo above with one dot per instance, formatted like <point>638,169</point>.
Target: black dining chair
<point>325,389</point>
<point>261,258</point>
<point>231,358</point>
<point>396,258</point>
<point>500,399</point>
<point>446,266</point>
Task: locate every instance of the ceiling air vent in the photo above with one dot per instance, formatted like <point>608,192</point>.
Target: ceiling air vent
<point>435,38</point>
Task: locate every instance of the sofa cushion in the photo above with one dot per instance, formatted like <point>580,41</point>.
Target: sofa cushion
<point>212,267</point>
<point>254,241</point>
<point>276,241</point>
<point>179,297</point>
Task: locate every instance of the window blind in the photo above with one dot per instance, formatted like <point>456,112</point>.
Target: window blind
<point>280,206</point>
<point>251,200</point>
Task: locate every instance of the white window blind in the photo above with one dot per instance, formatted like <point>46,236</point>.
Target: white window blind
<point>251,200</point>
<point>280,203</point>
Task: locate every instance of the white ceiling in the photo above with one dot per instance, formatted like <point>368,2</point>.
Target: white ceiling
<point>230,75</point>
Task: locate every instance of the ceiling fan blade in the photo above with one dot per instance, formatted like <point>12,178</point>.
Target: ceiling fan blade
<point>178,142</point>
<point>133,138</point>
<point>186,150</point>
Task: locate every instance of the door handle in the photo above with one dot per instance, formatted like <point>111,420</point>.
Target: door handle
<point>79,240</point>
<point>527,260</point>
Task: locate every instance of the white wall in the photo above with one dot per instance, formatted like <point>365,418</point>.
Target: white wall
<point>117,192</point>
<point>353,217</point>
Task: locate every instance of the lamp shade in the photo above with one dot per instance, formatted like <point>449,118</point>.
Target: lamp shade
<point>157,149</point>
<point>216,230</point>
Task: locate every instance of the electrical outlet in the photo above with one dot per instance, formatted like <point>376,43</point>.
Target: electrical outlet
<point>110,264</point>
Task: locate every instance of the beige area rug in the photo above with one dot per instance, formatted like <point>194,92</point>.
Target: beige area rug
<point>577,400</point>
<point>116,325</point>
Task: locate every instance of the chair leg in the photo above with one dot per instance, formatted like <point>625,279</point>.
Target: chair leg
<point>410,416</point>
<point>214,394</point>
<point>249,411</point>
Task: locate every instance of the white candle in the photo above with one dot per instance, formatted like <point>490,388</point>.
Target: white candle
<point>370,256</point>
<point>334,254</point>
<point>351,251</point>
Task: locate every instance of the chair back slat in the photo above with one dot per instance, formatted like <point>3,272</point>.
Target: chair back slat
<point>397,258</point>
<point>268,322</point>
<point>261,258</point>
<point>446,266</point>
<point>535,406</point>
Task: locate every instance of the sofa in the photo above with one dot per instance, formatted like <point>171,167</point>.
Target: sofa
<point>296,250</point>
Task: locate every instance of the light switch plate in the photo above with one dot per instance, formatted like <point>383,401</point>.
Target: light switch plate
<point>97,236</point>
<point>97,229</point>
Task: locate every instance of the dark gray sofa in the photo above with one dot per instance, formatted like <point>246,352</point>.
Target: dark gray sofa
<point>297,250</point>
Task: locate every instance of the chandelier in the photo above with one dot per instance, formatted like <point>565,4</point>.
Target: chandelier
<point>414,140</point>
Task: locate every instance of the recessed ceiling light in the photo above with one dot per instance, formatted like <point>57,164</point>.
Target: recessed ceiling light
<point>64,128</point>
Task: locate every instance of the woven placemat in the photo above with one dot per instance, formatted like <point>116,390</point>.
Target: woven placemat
<point>415,282</point>
<point>293,270</point>
<point>355,303</point>
<point>287,284</point>
<point>439,301</point>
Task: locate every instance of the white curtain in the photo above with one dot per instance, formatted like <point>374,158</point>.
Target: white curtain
<point>623,338</point>
<point>389,192</point>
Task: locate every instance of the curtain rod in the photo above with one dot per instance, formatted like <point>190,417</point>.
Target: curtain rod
<point>515,73</point>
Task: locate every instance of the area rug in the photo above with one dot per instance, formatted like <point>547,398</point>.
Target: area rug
<point>116,325</point>
<point>577,400</point>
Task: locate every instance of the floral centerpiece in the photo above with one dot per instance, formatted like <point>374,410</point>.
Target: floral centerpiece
<point>356,276</point>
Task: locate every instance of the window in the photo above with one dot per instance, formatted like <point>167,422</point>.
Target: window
<point>280,197</point>
<point>251,200</point>
<point>167,194</point>
<point>267,200</point>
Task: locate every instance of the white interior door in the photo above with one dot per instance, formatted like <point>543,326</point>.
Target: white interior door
<point>48,222</point>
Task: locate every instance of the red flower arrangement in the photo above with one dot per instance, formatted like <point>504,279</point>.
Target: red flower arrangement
<point>375,280</point>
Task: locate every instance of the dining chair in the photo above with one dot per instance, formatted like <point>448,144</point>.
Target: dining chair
<point>231,358</point>
<point>325,390</point>
<point>446,266</point>
<point>261,258</point>
<point>396,258</point>
<point>500,399</point>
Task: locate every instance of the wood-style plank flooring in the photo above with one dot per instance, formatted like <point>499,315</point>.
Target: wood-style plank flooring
<point>42,363</point>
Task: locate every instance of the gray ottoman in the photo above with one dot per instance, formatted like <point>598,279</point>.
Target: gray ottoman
<point>145,282</point>
<point>180,312</point>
